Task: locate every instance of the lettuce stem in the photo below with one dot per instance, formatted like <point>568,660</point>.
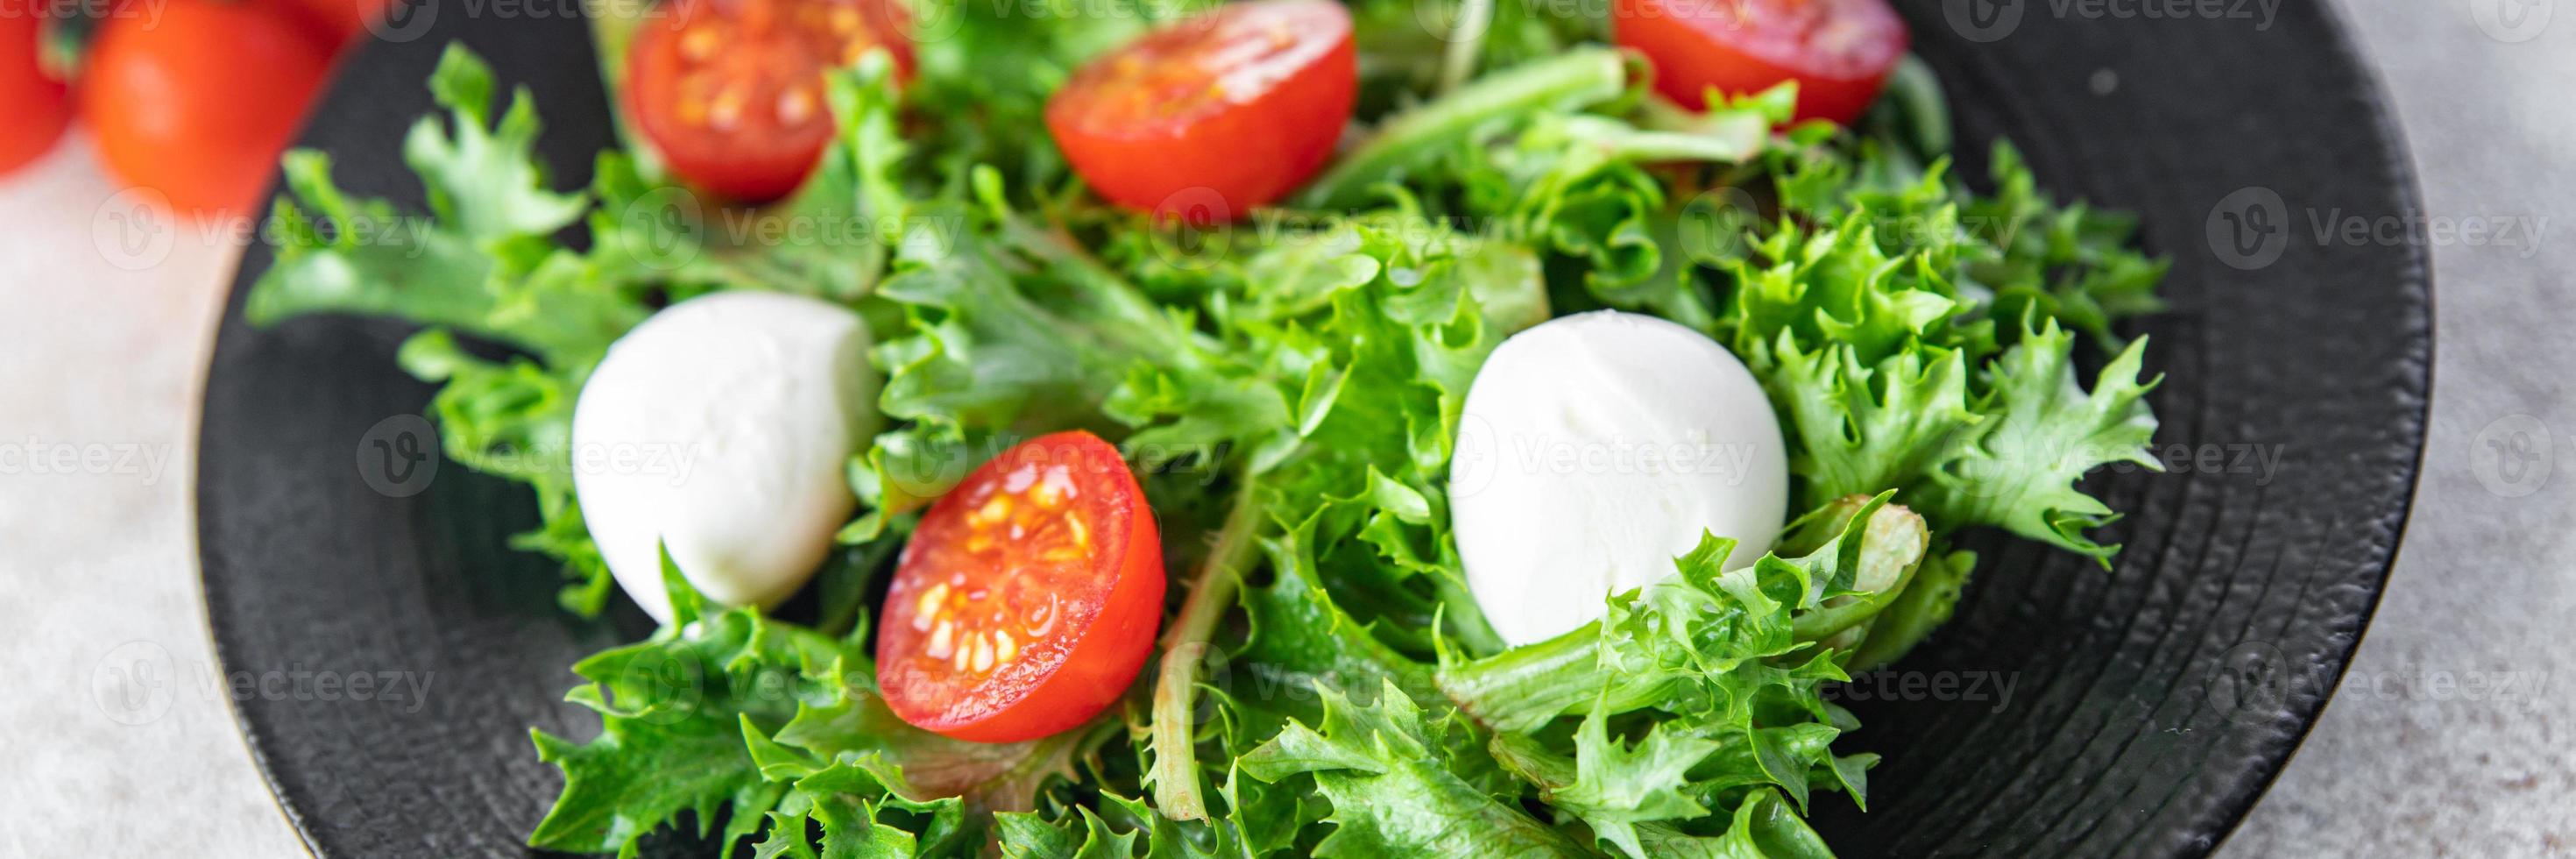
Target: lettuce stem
<point>1565,82</point>
<point>1175,734</point>
<point>1522,688</point>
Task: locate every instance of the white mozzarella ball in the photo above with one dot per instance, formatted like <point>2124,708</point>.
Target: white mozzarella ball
<point>720,428</point>
<point>1593,450</point>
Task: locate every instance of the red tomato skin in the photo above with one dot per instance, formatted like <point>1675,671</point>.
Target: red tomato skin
<point>199,104</point>
<point>1095,671</point>
<point>340,21</point>
<point>37,108</point>
<point>1248,155</point>
<point>1694,47</point>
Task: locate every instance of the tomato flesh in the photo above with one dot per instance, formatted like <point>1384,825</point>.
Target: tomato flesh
<point>1245,102</point>
<point>1028,597</point>
<point>731,92</point>
<point>38,108</point>
<point>1839,51</point>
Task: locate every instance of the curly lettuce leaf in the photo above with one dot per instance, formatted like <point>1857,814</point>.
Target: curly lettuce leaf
<point>487,265</point>
<point>725,712</point>
<point>672,712</point>
<point>1916,343</point>
<point>2041,433</point>
<point>1717,660</point>
<point>1859,427</point>
<point>1662,646</point>
<point>1375,763</point>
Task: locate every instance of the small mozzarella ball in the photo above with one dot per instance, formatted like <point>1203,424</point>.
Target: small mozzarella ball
<point>720,428</point>
<point>1593,450</point>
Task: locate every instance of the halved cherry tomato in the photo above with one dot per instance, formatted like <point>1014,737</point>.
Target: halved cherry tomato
<point>1839,51</point>
<point>197,102</point>
<point>38,108</point>
<point>1028,597</point>
<point>731,91</point>
<point>1245,101</point>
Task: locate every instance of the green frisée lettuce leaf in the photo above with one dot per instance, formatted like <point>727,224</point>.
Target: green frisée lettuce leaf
<point>1919,341</point>
<point>727,714</point>
<point>2040,432</point>
<point>513,418</point>
<point>486,265</point>
<point>1413,139</point>
<point>1390,794</point>
<point>1660,646</point>
<point>1710,674</point>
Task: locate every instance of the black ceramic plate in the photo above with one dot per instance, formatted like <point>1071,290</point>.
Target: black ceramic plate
<point>2148,707</point>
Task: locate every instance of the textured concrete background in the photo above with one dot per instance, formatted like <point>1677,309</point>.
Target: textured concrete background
<point>2451,736</point>
<point>2408,760</point>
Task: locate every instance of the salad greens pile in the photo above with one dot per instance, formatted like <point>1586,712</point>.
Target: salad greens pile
<point>1289,386</point>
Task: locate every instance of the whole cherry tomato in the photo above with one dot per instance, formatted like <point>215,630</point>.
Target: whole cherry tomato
<point>199,103</point>
<point>36,108</point>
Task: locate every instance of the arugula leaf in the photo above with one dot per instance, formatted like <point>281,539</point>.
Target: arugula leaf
<point>996,346</point>
<point>1765,827</point>
<point>481,181</point>
<point>862,806</point>
<point>1885,351</point>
